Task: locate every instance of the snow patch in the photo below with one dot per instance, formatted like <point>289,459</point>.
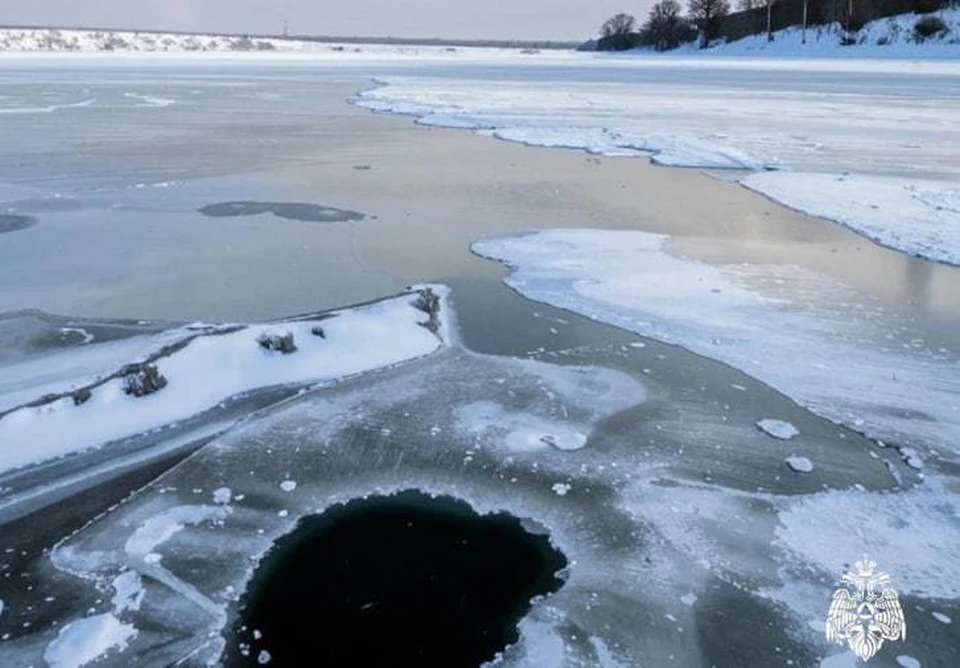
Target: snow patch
<point>288,485</point>
<point>84,640</point>
<point>222,495</point>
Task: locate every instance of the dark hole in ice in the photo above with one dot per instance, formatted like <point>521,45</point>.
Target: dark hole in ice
<point>394,580</point>
<point>311,213</point>
<point>10,222</point>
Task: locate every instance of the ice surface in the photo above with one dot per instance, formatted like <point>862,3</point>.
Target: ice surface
<point>942,618</point>
<point>82,641</point>
<point>907,661</point>
<point>845,660</point>
<point>208,370</point>
<point>778,428</point>
<point>642,543</point>
<point>916,216</point>
<point>799,464</point>
<point>756,114</point>
<point>631,280</point>
<point>156,530</point>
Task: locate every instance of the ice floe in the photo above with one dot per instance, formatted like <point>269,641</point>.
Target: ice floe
<point>200,369</point>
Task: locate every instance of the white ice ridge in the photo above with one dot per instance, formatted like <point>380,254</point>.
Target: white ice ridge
<point>781,114</point>
<point>208,370</point>
<point>629,279</point>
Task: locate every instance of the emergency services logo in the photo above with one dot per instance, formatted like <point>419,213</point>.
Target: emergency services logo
<point>865,611</point>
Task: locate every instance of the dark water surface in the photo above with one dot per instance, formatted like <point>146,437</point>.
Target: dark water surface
<point>401,580</point>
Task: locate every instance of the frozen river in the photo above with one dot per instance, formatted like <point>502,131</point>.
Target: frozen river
<point>712,408</point>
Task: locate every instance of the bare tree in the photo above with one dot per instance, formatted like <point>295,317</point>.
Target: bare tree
<point>618,25</point>
<point>665,28</point>
<point>617,33</point>
<point>706,14</point>
<point>747,5</point>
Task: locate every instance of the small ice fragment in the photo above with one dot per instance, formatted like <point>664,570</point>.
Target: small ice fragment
<point>800,464</point>
<point>638,344</point>
<point>263,658</point>
<point>222,495</point>
<point>1,606</point>
<point>283,513</point>
<point>736,386</point>
<point>688,599</point>
<point>569,441</point>
<point>914,463</point>
<point>256,634</point>
<point>560,488</point>
<point>152,558</point>
<point>288,485</point>
<point>778,428</point>
<point>939,616</point>
<point>907,661</point>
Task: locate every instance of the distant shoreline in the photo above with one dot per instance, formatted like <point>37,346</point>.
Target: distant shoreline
<point>325,39</point>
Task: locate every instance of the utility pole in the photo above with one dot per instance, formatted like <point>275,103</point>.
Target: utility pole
<point>769,21</point>
<point>803,33</point>
<point>284,27</point>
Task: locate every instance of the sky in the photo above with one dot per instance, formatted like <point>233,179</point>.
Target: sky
<point>510,19</point>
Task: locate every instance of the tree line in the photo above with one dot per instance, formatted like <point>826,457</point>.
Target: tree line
<point>666,27</point>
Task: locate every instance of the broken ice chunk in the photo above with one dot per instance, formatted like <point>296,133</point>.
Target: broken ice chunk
<point>778,428</point>
<point>800,464</point>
